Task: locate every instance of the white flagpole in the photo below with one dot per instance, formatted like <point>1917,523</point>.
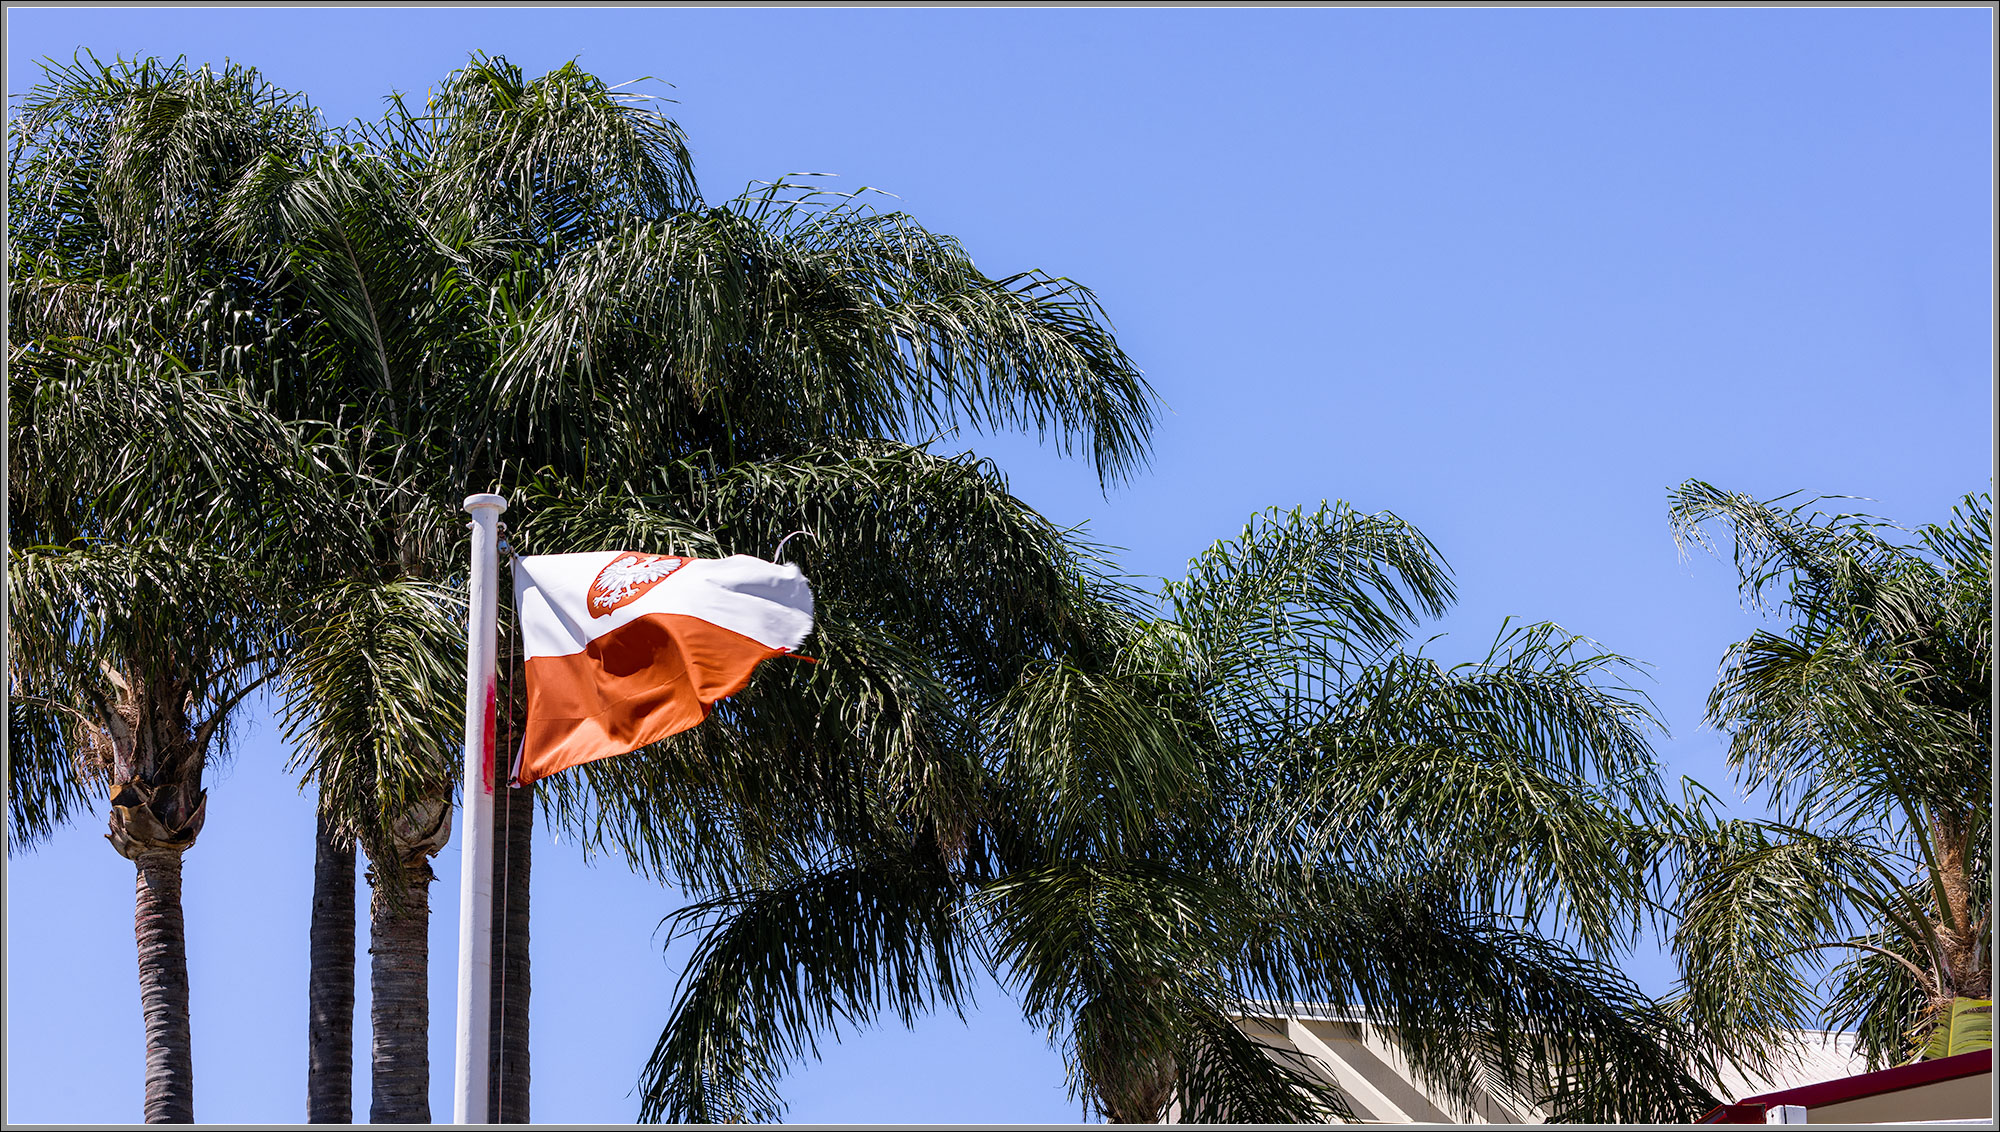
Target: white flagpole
<point>475,889</point>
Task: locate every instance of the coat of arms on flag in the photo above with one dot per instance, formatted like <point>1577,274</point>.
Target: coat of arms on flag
<point>625,649</point>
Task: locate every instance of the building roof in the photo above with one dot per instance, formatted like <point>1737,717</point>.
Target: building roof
<point>1818,1055</point>
<point>1362,1057</point>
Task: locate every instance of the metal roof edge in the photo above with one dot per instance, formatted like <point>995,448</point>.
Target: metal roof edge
<point>1881,1081</point>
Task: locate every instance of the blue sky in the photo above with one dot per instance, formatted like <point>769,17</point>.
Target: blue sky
<point>1510,274</point>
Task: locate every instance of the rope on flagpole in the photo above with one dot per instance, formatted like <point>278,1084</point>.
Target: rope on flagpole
<point>788,538</point>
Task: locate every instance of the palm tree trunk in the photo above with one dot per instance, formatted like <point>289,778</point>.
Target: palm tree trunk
<point>1968,966</point>
<point>1127,1059</point>
<point>507,1088</point>
<point>163,987</point>
<point>399,986</point>
<point>330,982</point>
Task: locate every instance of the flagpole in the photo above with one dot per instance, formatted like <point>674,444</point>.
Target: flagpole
<point>475,888</point>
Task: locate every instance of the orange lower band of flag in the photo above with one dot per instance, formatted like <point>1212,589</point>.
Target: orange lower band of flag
<point>655,677</point>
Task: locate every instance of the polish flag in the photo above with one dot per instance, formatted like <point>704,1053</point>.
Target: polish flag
<point>625,649</point>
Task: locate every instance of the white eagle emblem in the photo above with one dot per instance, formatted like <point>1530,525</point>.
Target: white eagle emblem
<point>627,578</point>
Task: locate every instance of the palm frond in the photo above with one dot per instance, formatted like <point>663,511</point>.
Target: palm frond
<point>1274,617</point>
<point>559,158</point>
<point>1527,776</point>
<point>776,966</point>
<point>374,700</point>
<point>47,749</point>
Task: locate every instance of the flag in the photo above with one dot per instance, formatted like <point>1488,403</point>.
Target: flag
<point>625,649</point>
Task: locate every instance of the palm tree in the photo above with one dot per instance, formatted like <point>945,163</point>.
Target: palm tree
<point>1865,721</point>
<point>375,666</point>
<point>132,637</point>
<point>137,652</point>
<point>133,433</point>
<point>1152,818</point>
<point>134,656</point>
<point>120,173</point>
<point>372,682</point>
<point>130,648</point>
<point>508,1069</point>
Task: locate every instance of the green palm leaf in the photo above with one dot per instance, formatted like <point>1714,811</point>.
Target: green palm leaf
<point>1967,1029</point>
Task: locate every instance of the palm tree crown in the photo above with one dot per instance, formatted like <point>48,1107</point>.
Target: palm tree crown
<point>1866,723</point>
<point>1254,796</point>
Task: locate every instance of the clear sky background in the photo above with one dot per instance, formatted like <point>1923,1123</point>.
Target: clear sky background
<point>1510,274</point>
